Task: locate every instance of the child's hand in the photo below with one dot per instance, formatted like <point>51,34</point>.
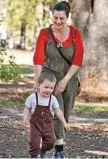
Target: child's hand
<point>67,126</point>
<point>26,126</point>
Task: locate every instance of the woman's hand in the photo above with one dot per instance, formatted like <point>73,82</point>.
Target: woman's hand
<point>36,87</point>
<point>60,87</point>
<point>37,72</point>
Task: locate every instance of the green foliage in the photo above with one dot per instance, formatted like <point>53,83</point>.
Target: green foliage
<point>26,11</point>
<point>9,71</point>
<point>91,108</point>
<point>29,14</point>
<point>21,11</point>
<point>13,104</point>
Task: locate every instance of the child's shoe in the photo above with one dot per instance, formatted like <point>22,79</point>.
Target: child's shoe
<point>34,157</point>
<point>43,154</point>
<point>58,154</point>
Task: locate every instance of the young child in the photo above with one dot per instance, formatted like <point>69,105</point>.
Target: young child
<point>40,108</point>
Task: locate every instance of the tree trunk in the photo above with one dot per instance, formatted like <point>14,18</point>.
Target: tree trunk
<point>91,17</point>
<point>22,35</point>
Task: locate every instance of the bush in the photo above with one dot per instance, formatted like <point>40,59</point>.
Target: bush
<point>9,71</point>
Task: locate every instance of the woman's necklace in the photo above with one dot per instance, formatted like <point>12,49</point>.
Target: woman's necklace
<point>59,44</point>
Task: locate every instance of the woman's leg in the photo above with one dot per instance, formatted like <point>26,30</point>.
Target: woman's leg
<point>58,126</point>
<point>69,100</point>
<point>66,101</point>
<point>59,131</point>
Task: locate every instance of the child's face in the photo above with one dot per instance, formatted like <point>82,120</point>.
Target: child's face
<point>46,88</point>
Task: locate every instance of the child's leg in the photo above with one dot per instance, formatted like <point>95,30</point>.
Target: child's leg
<point>34,141</point>
<point>48,137</point>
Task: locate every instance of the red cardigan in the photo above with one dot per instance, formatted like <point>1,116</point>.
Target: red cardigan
<point>39,54</point>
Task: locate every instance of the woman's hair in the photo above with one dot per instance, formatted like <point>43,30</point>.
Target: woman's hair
<point>62,6</point>
<point>46,75</point>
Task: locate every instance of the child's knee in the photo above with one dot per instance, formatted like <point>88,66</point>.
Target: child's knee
<point>51,144</point>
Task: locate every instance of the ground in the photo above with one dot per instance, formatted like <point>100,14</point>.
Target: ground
<point>88,137</point>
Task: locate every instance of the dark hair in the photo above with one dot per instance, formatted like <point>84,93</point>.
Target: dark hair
<point>46,75</point>
<point>62,6</point>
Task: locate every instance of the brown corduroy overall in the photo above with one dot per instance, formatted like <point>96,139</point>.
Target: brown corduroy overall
<point>41,127</point>
<point>59,67</point>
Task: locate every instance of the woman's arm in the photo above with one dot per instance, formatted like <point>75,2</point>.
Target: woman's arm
<point>76,63</point>
<point>39,55</point>
<point>72,70</point>
<point>37,71</point>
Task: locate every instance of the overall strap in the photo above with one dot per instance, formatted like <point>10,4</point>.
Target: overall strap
<point>58,47</point>
<point>50,33</point>
<point>49,101</point>
<point>47,30</point>
<point>36,98</point>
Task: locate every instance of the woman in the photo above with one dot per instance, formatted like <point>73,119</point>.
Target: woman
<point>47,55</point>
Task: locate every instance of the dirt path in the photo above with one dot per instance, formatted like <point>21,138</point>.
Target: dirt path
<point>22,57</point>
<point>88,137</point>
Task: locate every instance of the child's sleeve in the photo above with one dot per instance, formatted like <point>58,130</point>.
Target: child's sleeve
<point>55,104</point>
<point>28,102</point>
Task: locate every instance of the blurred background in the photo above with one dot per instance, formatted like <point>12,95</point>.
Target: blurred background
<point>21,21</point>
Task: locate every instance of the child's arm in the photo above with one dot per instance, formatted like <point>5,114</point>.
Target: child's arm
<point>60,116</point>
<point>26,117</point>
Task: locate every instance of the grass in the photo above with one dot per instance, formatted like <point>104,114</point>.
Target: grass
<point>90,108</point>
<point>77,108</point>
<point>12,104</point>
<point>26,69</point>
<point>16,103</point>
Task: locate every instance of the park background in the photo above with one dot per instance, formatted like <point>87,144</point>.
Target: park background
<point>20,23</point>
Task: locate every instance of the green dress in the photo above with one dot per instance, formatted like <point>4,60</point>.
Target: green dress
<point>56,64</point>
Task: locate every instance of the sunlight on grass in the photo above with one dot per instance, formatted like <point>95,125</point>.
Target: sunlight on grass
<point>90,108</point>
<point>77,108</point>
<point>12,104</point>
<point>26,69</point>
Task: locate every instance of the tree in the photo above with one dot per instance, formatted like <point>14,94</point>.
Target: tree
<point>91,17</point>
<point>26,16</point>
<point>20,15</point>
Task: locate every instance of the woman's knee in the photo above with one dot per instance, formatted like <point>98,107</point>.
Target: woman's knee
<point>59,130</point>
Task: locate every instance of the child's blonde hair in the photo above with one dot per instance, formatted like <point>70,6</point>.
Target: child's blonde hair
<point>46,75</point>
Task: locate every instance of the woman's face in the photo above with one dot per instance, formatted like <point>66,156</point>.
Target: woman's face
<point>59,19</point>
